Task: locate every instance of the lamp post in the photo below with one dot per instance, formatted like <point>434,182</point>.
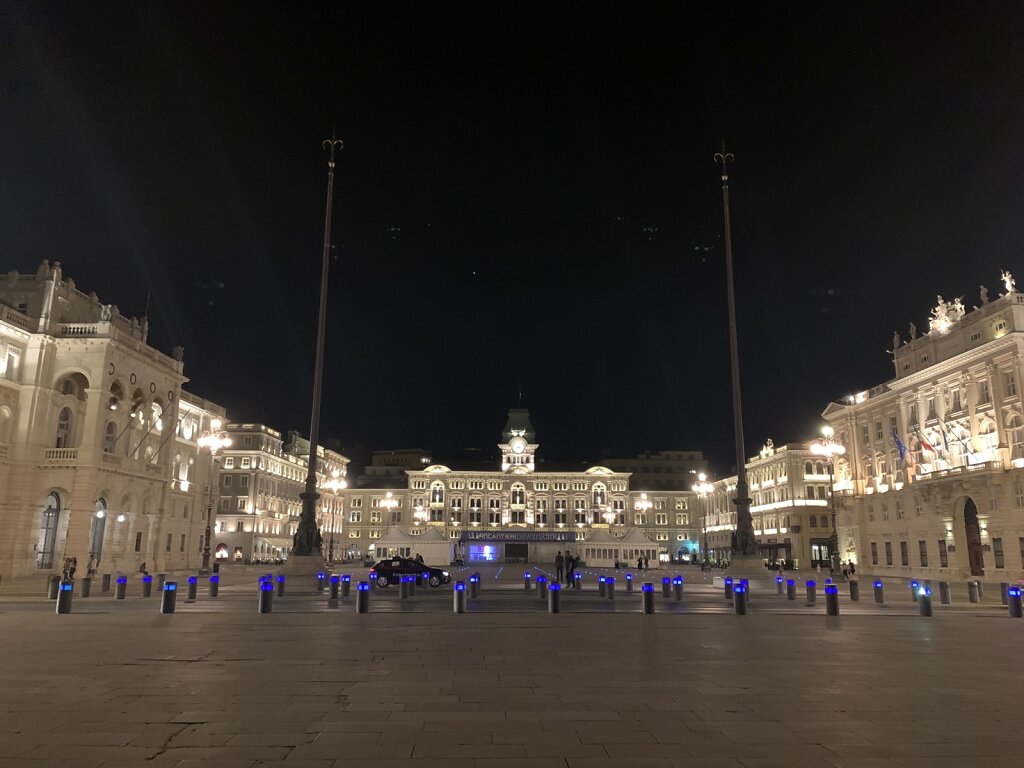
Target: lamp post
<point>213,439</point>
<point>703,489</point>
<point>829,448</point>
<point>335,484</point>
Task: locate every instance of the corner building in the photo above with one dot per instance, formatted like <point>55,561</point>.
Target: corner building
<point>932,482</point>
<point>515,513</point>
<point>98,452</point>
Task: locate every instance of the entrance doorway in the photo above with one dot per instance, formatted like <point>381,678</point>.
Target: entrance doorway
<point>975,556</point>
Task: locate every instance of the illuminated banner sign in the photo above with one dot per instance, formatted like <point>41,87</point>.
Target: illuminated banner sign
<point>477,535</point>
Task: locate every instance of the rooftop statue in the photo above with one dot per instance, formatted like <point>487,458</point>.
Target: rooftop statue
<point>1009,282</point>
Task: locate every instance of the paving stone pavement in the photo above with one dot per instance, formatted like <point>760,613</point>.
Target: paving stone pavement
<point>412,684</point>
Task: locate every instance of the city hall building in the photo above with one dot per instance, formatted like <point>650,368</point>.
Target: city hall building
<point>517,512</point>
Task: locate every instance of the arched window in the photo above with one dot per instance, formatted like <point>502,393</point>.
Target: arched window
<point>1014,435</point>
<point>518,494</point>
<point>808,469</point>
<point>96,531</point>
<point>63,428</point>
<point>437,493</point>
<point>67,387</point>
<point>819,468</point>
<point>48,531</point>
<point>6,424</point>
<point>109,437</point>
<point>599,495</point>
<point>824,521</point>
<point>813,521</point>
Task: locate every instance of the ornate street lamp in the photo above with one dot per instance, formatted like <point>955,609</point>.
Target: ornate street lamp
<point>829,448</point>
<point>334,485</point>
<point>703,489</point>
<point>213,439</point>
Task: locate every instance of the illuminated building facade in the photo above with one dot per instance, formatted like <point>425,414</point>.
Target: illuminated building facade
<point>789,489</point>
<point>98,453</point>
<point>516,512</point>
<point>932,482</point>
<point>258,504</point>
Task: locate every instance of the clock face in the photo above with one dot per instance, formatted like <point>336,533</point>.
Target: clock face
<point>518,445</point>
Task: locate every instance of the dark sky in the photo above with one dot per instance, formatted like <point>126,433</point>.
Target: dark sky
<point>526,194</point>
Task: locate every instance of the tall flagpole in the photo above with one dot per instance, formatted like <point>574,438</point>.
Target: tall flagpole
<point>746,543</point>
<point>307,537</point>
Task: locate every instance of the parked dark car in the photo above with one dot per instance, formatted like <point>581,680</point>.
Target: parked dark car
<point>389,571</point>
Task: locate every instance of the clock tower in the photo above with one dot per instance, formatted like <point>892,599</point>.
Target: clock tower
<point>518,448</point>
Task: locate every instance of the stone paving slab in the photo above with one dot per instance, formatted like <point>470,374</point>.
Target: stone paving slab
<point>115,684</point>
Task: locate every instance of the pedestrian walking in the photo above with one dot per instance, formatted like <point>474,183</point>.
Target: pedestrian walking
<point>559,566</point>
<point>570,566</point>
<point>639,563</point>
<point>853,569</point>
<point>647,563</point>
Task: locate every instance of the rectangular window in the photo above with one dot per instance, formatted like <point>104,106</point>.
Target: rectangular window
<point>356,503</point>
<point>997,553</point>
<point>1010,383</point>
<point>640,518</point>
<point>682,519</point>
<point>878,431</point>
<point>227,481</point>
<point>943,554</point>
<point>865,437</point>
<point>913,416</point>
<point>396,516</point>
<point>984,395</point>
<point>241,503</point>
<point>243,481</point>
<point>681,504</point>
<point>224,505</point>
<point>229,462</point>
<point>375,534</point>
<point>355,534</point>
<point>904,554</point>
<point>375,516</point>
<point>874,553</point>
<point>239,526</point>
<point>246,462</point>
<point>932,413</point>
<point>355,516</point>
<point>922,548</point>
<point>888,553</point>
<point>661,536</point>
<point>957,404</point>
<point>661,519</point>
<point>168,548</point>
<point>138,541</point>
<point>659,503</point>
<point>182,547</point>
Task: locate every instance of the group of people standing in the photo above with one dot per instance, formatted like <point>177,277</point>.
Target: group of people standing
<point>564,567</point>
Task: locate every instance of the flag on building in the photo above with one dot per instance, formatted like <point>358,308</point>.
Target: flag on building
<point>899,445</point>
<point>924,443</point>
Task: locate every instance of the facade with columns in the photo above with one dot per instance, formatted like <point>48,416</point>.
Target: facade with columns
<point>932,482</point>
<point>258,504</point>
<point>516,512</point>
<point>789,492</point>
<point>98,452</point>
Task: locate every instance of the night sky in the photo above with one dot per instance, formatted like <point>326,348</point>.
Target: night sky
<point>526,200</point>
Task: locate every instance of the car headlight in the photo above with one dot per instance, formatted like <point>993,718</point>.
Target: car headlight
<point>446,573</point>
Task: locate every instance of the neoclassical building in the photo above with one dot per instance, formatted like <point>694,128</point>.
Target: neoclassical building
<point>932,482</point>
<point>98,441</point>
<point>258,505</point>
<point>789,491</point>
<point>517,512</point>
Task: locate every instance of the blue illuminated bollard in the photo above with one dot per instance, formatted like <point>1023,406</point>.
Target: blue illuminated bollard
<point>64,597</point>
<point>779,586</point>
<point>602,586</point>
<point>321,580</point>
<point>831,600</point>
<point>147,586</point>
<point>791,589</point>
<point>728,588</point>
<point>542,588</point>
<point>372,576</point>
<point>914,587</point>
<point>739,599</point>
<point>648,593</point>
<point>121,587</point>
<point>577,580</point>
<point>666,587</point>
<point>168,597</point>
<point>280,586</point>
<point>629,583</point>
<point>924,598</point>
<point>879,592</point>
<point>362,597</point>
<point>527,577</point>
<point>474,586</point>
<point>677,588</point>
<point>609,587</point>
<point>854,591</point>
<point>346,585</point>
<point>335,585</point>
<point>193,587</point>
<point>459,597</point>
<point>214,584</point>
<point>403,586</point>
<point>812,592</point>
<point>554,597</point>
<point>1014,604</point>
<point>266,595</point>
